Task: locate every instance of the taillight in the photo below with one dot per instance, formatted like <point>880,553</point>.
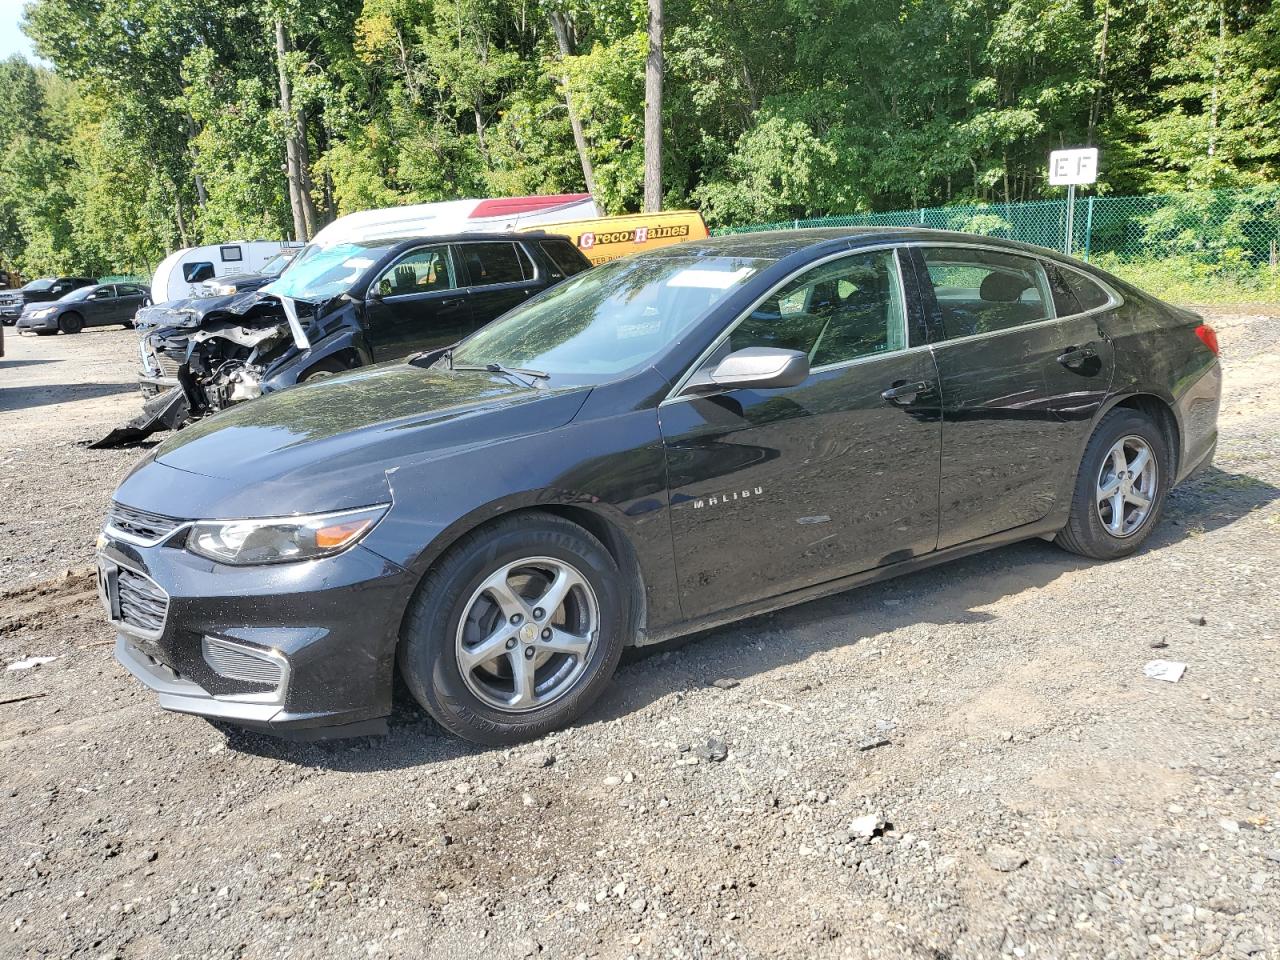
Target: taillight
<point>1208,337</point>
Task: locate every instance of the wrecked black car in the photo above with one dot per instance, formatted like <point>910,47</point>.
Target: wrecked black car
<point>336,307</point>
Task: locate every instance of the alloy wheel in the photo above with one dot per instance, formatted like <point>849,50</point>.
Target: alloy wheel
<point>527,634</point>
<point>1126,487</point>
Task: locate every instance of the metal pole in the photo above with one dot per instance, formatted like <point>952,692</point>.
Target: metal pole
<point>1088,230</point>
<point>1071,213</point>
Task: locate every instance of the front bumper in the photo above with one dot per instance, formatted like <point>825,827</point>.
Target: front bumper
<point>27,322</point>
<point>322,632</point>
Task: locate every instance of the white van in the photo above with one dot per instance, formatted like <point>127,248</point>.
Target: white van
<point>498,215</point>
<point>182,272</point>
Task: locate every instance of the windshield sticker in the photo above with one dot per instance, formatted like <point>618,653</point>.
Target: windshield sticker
<point>709,279</point>
<point>358,262</point>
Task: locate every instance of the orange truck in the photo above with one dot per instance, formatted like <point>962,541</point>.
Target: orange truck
<point>608,238</point>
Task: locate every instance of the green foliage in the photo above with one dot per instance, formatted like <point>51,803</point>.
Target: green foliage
<point>161,121</point>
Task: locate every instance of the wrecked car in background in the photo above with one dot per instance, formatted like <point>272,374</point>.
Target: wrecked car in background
<point>337,307</point>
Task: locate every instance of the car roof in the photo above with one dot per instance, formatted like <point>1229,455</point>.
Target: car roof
<point>451,238</point>
<point>778,244</point>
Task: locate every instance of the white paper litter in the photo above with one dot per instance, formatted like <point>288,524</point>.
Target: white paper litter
<point>1167,670</point>
<point>30,662</point>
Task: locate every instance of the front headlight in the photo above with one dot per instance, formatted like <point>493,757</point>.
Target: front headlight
<point>282,539</point>
<point>37,314</point>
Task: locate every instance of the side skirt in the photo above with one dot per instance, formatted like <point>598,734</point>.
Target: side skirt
<point>1045,529</point>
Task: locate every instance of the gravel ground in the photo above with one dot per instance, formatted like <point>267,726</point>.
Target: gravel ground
<point>1027,791</point>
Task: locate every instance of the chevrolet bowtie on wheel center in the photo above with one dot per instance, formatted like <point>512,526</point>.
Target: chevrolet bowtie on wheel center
<point>662,444</point>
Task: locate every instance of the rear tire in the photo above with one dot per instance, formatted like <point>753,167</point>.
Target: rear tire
<point>70,323</point>
<point>485,660</point>
<point>1120,489</point>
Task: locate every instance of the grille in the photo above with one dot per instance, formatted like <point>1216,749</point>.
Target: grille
<point>235,662</point>
<point>151,527</point>
<point>168,366</point>
<point>142,603</point>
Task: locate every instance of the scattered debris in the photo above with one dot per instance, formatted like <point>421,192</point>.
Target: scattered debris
<point>867,826</point>
<point>714,750</point>
<point>1159,644</point>
<point>30,662</point>
<point>1005,859</point>
<point>1168,670</point>
<point>725,683</point>
<point>539,759</point>
<point>870,743</point>
<point>29,696</point>
<point>1199,621</point>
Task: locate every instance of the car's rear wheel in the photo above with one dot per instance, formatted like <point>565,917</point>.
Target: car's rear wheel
<point>70,323</point>
<point>516,631</point>
<point>1120,489</point>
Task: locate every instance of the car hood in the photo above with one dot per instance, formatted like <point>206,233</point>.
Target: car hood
<point>325,443</point>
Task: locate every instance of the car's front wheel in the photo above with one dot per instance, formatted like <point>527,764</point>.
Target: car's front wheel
<point>1120,489</point>
<point>516,631</point>
<point>70,323</point>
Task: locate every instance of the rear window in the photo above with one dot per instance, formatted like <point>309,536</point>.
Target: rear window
<point>1088,294</point>
<point>565,256</point>
<point>489,263</point>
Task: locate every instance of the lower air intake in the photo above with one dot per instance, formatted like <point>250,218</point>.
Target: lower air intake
<point>236,662</point>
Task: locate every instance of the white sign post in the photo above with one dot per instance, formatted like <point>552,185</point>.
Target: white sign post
<point>1069,168</point>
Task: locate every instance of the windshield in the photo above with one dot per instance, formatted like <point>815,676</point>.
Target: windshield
<point>275,266</point>
<point>37,286</point>
<point>609,320</point>
<point>80,293</point>
<point>321,273</point>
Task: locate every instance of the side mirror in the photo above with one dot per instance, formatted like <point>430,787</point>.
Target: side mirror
<point>381,289</point>
<point>753,368</point>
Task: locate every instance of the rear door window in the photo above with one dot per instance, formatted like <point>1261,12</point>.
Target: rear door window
<point>491,263</point>
<point>984,291</point>
<point>565,257</point>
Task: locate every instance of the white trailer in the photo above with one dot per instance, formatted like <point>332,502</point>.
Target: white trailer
<point>182,272</point>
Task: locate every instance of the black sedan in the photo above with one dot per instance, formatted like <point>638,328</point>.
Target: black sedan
<point>662,444</point>
<point>99,305</point>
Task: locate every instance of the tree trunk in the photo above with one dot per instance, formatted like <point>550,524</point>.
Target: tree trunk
<point>297,172</point>
<point>561,29</point>
<point>653,112</point>
<point>202,195</point>
<point>1095,108</point>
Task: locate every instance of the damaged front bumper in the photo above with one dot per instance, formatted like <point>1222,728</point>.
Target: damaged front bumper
<point>201,356</point>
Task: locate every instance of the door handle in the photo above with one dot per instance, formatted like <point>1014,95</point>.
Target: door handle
<point>1074,357</point>
<point>902,392</point>
<point>451,302</point>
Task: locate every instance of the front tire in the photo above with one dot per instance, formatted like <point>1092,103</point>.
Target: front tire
<point>1120,489</point>
<point>70,323</point>
<point>516,631</point>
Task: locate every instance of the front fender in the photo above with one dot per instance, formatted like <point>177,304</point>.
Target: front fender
<point>613,467</point>
<point>287,372</point>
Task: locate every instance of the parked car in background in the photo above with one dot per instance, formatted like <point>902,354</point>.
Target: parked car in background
<point>660,445</point>
<point>243,282</point>
<point>338,307</point>
<point>100,305</point>
<point>606,238</point>
<point>40,290</point>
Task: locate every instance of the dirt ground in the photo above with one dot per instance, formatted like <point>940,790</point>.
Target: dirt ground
<point>1042,798</point>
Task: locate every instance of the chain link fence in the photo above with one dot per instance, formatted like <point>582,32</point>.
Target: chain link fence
<point>1207,245</point>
